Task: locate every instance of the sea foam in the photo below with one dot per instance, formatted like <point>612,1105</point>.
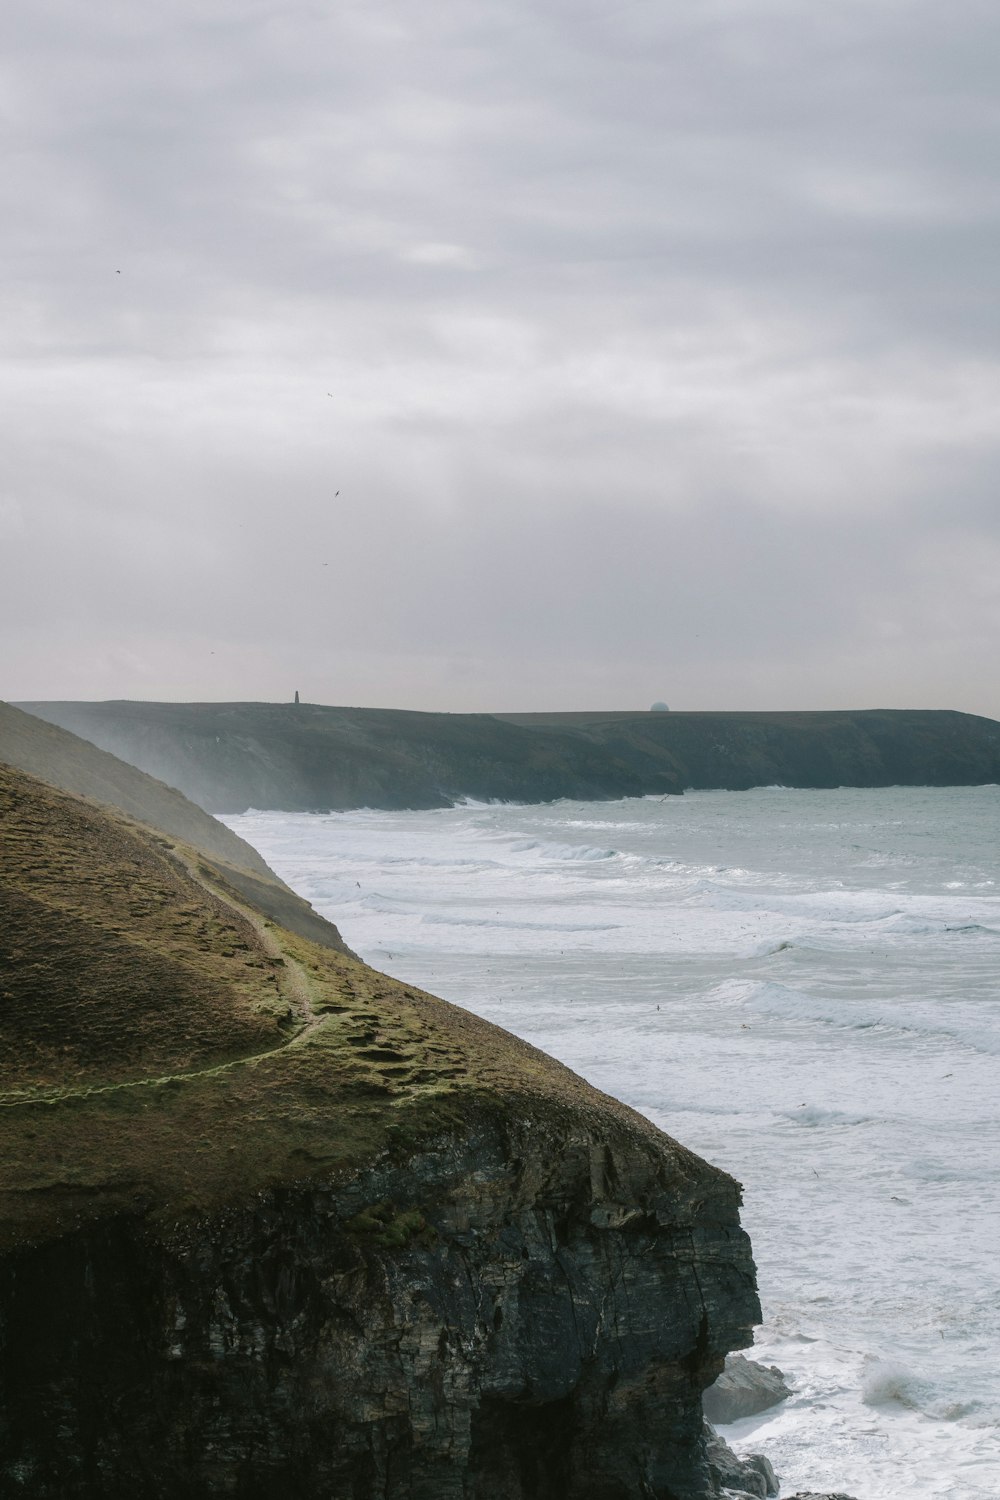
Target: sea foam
<point>801,986</point>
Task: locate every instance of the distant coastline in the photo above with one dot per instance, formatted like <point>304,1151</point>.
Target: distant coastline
<point>304,757</point>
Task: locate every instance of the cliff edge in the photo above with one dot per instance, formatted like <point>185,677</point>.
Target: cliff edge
<point>273,1224</point>
<point>64,760</point>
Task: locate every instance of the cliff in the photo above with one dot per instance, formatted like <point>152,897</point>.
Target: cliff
<point>230,756</point>
<point>64,760</point>
<point>734,751</point>
<point>274,1224</point>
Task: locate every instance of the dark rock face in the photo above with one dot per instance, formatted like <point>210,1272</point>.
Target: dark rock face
<point>525,1315</point>
<point>751,1476</point>
<point>744,1388</point>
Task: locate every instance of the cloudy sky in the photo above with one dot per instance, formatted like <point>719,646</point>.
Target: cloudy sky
<point>653,350</point>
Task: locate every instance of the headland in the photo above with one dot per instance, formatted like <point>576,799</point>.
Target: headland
<point>304,757</point>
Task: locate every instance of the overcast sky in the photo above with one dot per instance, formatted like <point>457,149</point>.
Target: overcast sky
<point>652,349</point>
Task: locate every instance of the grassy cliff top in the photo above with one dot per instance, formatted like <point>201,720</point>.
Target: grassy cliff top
<point>169,1051</point>
<point>64,760</point>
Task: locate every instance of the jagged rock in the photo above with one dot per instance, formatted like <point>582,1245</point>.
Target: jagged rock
<point>743,1389</point>
<point>456,1328</point>
<point>765,1469</point>
<point>752,1475</point>
<point>815,1495</point>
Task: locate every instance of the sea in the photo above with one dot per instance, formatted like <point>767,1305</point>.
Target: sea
<point>801,986</point>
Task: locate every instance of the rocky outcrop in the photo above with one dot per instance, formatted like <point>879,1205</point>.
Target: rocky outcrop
<point>516,1314</point>
<point>751,1476</point>
<point>230,756</point>
<point>272,1224</point>
<point>744,1388</point>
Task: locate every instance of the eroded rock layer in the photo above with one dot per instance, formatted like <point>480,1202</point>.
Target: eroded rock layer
<point>524,1313</point>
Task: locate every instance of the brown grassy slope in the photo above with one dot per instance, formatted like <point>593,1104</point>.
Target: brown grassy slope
<point>114,960</point>
<point>150,1070</point>
<point>65,760</point>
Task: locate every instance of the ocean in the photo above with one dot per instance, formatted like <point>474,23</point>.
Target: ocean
<point>803,987</point>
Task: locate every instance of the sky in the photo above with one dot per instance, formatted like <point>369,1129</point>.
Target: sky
<point>487,354</point>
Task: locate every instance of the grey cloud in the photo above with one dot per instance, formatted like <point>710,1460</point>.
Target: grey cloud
<point>639,324</point>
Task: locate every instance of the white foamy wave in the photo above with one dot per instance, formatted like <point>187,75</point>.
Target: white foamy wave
<point>421,862</point>
<point>811,1115</point>
<point>784,1003</point>
<point>441,919</point>
<point>982,1417</point>
<point>888,1380</point>
<point>375,901</point>
<point>546,850</point>
<point>768,950</point>
<point>922,926</point>
<point>475,804</point>
<point>602,825</point>
<point>741,891</point>
<point>700,890</point>
<point>869,918</point>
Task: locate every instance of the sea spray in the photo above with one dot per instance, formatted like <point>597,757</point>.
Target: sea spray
<point>802,987</point>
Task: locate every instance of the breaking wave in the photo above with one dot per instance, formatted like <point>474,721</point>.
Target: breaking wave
<point>545,850</point>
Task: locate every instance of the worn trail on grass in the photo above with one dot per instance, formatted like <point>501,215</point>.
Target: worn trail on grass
<point>293,986</point>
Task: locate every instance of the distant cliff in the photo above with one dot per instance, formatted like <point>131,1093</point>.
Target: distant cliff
<point>230,756</point>
<point>273,1224</point>
<point>734,751</point>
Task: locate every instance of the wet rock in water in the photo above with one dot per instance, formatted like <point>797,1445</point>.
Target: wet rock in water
<point>752,1475</point>
<point>815,1495</point>
<point>743,1389</point>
